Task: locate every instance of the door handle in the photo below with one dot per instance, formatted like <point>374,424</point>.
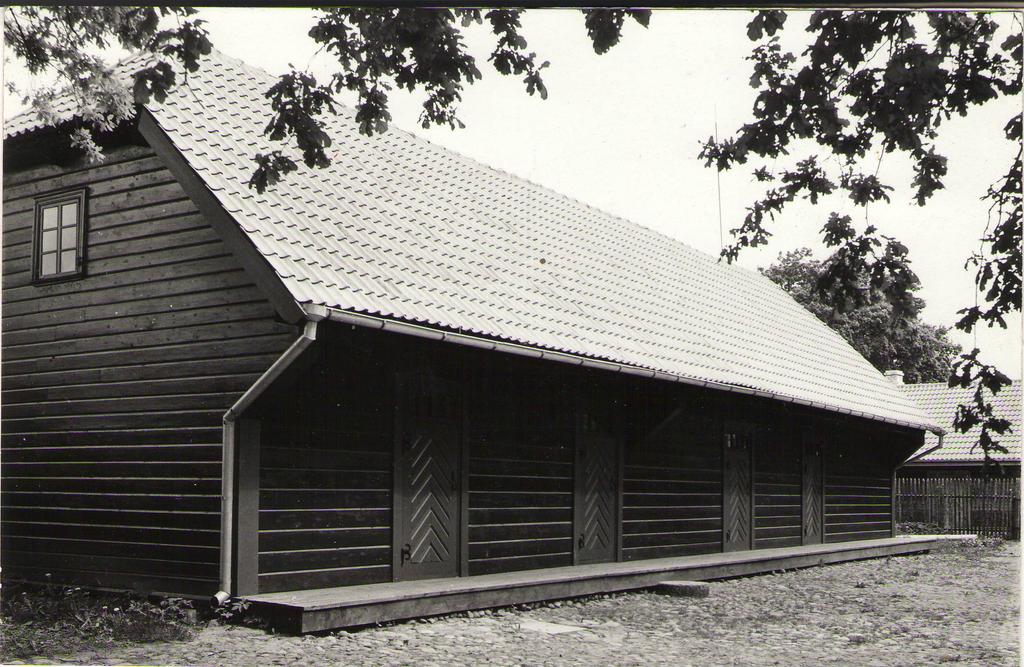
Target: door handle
<point>581,542</point>
<point>406,552</point>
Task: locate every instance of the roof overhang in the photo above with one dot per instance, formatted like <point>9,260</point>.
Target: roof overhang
<point>317,313</point>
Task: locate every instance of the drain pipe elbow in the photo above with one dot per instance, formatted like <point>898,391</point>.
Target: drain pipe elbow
<point>227,496</point>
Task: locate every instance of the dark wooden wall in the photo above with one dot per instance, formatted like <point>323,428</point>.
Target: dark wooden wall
<point>672,485</point>
<point>325,471</point>
<point>778,482</point>
<point>327,460</point>
<point>114,384</point>
<point>520,432</point>
<point>858,485</point>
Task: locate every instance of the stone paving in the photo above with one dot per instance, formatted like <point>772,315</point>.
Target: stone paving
<point>960,605</point>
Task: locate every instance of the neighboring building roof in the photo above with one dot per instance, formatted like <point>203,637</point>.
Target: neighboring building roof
<point>404,229</point>
<point>940,401</point>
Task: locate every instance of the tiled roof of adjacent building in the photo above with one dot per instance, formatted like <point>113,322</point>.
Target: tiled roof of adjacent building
<point>404,229</point>
<point>940,401</point>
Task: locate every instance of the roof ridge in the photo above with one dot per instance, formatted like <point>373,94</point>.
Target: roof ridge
<point>1015,384</point>
<point>1013,381</point>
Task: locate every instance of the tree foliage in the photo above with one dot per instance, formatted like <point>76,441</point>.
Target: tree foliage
<point>64,41</point>
<point>377,49</point>
<point>868,84</point>
<point>922,351</point>
<point>411,48</point>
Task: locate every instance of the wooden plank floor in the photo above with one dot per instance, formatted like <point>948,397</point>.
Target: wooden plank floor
<point>349,606</point>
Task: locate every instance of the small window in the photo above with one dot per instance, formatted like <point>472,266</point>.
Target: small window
<point>60,236</point>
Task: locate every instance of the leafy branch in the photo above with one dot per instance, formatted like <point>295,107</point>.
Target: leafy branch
<point>987,381</point>
<point>61,40</point>
<point>410,48</point>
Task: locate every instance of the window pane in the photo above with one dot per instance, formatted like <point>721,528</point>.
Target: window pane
<point>69,214</point>
<point>67,261</point>
<point>49,265</point>
<point>68,237</point>
<point>50,240</point>
<point>50,217</point>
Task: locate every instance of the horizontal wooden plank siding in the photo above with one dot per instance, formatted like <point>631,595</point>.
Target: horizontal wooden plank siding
<point>777,487</point>
<point>520,475</point>
<point>858,486</point>
<point>672,480</point>
<point>114,384</point>
<point>325,476</point>
<point>327,489</point>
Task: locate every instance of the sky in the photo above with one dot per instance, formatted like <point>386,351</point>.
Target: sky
<point>622,131</point>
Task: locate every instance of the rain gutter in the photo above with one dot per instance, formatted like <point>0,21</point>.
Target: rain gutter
<point>316,312</point>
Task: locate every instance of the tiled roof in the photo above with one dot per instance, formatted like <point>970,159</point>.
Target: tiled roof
<point>404,229</point>
<point>940,401</point>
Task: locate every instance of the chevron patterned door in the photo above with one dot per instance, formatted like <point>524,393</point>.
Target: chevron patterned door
<point>427,480</point>
<point>813,493</point>
<point>737,493</point>
<point>596,513</point>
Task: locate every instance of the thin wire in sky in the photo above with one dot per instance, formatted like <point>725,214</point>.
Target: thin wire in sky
<point>718,181</point>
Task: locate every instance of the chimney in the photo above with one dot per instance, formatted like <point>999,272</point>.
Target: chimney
<point>896,377</point>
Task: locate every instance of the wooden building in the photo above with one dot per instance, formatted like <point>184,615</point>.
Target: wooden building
<point>945,484</point>
<point>957,454</point>
<point>406,366</point>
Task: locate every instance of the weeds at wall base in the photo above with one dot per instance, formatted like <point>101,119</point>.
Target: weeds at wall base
<point>51,619</point>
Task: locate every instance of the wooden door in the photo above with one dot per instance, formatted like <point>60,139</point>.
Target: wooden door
<point>427,478</point>
<point>737,492</point>
<point>596,516</point>
<point>813,492</point>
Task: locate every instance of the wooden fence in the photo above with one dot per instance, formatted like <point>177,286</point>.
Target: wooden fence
<point>984,506</point>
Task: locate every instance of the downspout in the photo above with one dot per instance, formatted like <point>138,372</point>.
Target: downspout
<point>227,494</point>
<point>926,452</point>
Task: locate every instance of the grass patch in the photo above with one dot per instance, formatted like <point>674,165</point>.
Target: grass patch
<point>48,620</point>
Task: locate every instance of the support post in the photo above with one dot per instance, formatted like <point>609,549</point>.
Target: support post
<point>465,380</point>
<point>247,506</point>
<point>892,506</point>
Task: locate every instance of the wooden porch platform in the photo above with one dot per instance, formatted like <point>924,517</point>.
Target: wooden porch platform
<point>350,606</point>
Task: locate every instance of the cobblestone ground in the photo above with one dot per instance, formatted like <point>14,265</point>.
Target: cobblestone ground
<point>960,605</point>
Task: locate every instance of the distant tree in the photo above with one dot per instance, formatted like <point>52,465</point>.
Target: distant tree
<point>922,351</point>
